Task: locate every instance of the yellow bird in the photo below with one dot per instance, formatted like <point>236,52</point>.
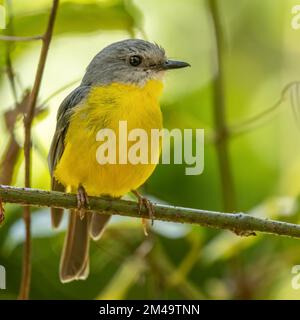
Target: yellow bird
<point>123,82</point>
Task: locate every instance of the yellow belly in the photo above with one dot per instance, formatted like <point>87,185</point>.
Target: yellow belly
<point>104,108</point>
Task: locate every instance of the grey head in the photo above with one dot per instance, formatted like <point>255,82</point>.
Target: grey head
<point>129,61</point>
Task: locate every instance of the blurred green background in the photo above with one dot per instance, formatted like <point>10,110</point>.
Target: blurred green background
<point>261,56</point>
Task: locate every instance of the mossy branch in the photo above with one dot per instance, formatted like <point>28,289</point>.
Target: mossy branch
<point>240,223</point>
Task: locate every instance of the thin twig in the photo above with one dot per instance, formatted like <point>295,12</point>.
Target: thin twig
<point>12,151</point>
<point>251,123</point>
<point>295,103</point>
<point>20,39</point>
<point>8,162</point>
<point>240,223</point>
<point>11,76</point>
<point>9,67</point>
<point>58,91</point>
<point>26,274</point>
<point>162,267</point>
<point>220,116</point>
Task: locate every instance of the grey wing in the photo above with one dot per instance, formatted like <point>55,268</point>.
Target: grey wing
<point>57,146</point>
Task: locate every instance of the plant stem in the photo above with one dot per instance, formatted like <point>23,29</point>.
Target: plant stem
<point>221,129</point>
<point>26,274</point>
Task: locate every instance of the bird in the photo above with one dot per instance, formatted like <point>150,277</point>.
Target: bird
<point>123,82</point>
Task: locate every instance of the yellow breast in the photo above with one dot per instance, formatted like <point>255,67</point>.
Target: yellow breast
<point>104,108</point>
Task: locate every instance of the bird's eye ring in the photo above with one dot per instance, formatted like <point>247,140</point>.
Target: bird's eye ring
<point>135,60</point>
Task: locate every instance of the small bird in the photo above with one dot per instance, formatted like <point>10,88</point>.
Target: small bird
<point>123,82</point>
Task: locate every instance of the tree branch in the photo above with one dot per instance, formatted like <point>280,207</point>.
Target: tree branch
<point>240,223</point>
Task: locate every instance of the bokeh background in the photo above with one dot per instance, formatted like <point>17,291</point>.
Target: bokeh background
<point>260,55</point>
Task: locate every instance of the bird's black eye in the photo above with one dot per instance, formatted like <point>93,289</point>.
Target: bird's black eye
<point>135,60</point>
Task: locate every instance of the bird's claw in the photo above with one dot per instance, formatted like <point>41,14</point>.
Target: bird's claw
<point>82,201</point>
<point>142,201</point>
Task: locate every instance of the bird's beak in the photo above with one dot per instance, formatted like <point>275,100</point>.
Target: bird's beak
<point>172,64</point>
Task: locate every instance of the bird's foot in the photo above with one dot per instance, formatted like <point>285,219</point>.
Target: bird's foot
<point>2,211</point>
<point>142,201</point>
<point>82,201</point>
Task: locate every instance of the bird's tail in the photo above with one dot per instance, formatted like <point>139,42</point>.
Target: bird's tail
<point>98,224</point>
<point>56,213</point>
<point>74,264</point>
